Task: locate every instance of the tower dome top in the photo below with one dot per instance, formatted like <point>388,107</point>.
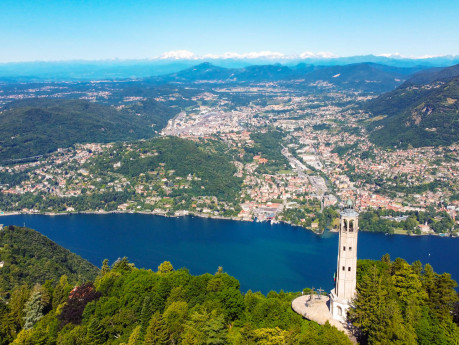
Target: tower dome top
<point>348,209</point>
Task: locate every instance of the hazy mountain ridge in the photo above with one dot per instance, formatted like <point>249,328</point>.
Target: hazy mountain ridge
<point>432,74</point>
<point>133,69</point>
<point>369,77</point>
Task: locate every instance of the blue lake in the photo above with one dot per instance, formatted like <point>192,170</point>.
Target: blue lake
<point>263,257</point>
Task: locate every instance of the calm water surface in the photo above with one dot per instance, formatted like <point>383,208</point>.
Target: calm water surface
<point>262,256</point>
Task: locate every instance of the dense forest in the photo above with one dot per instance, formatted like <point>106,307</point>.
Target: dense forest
<point>29,258</point>
<point>127,305</point>
<point>404,304</point>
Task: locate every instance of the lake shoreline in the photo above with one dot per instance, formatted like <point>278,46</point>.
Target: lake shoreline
<point>262,256</point>
<point>200,215</point>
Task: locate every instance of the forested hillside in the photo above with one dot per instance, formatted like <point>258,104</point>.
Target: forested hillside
<point>39,126</point>
<point>430,75</point>
<point>207,166</point>
<point>426,115</point>
<point>29,257</point>
<point>269,146</point>
<point>169,173</point>
<point>127,305</point>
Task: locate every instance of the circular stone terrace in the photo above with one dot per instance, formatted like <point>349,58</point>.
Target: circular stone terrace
<point>317,308</point>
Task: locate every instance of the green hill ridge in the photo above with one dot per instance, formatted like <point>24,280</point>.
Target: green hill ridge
<point>413,115</point>
<point>38,126</point>
<point>29,257</point>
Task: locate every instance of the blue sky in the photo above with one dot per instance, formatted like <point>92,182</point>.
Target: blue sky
<point>131,29</point>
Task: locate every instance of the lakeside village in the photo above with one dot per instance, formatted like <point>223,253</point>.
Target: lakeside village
<point>297,158</point>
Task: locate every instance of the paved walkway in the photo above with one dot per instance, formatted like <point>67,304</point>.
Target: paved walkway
<point>319,311</point>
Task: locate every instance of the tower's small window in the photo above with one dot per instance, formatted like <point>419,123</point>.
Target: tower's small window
<point>344,248</point>
<point>344,268</point>
<point>350,248</point>
<point>348,268</point>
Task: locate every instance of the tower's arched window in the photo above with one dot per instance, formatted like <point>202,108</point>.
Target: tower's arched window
<point>345,224</point>
<point>351,226</point>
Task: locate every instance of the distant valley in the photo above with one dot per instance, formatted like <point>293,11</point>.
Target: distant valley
<point>267,142</point>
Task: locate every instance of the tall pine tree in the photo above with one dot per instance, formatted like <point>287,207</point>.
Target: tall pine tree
<point>96,334</point>
<point>134,338</point>
<point>33,309</point>
<point>157,331</point>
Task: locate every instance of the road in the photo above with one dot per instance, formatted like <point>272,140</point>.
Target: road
<point>317,182</point>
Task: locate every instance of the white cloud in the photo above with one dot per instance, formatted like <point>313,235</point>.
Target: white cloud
<point>400,56</point>
<point>427,56</point>
<point>251,55</point>
<point>211,56</point>
<point>390,55</point>
<point>187,55</point>
<point>178,55</point>
<point>324,55</point>
<point>268,55</point>
<point>255,55</point>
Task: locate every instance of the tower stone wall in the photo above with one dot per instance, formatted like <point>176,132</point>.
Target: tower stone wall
<point>346,271</point>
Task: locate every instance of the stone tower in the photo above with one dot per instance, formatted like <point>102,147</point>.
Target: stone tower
<point>346,272</point>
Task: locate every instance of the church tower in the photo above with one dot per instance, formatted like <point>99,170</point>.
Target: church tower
<point>346,272</point>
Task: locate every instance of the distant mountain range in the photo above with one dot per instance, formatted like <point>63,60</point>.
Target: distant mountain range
<point>134,69</point>
<point>421,108</point>
<point>424,111</point>
<point>368,77</point>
